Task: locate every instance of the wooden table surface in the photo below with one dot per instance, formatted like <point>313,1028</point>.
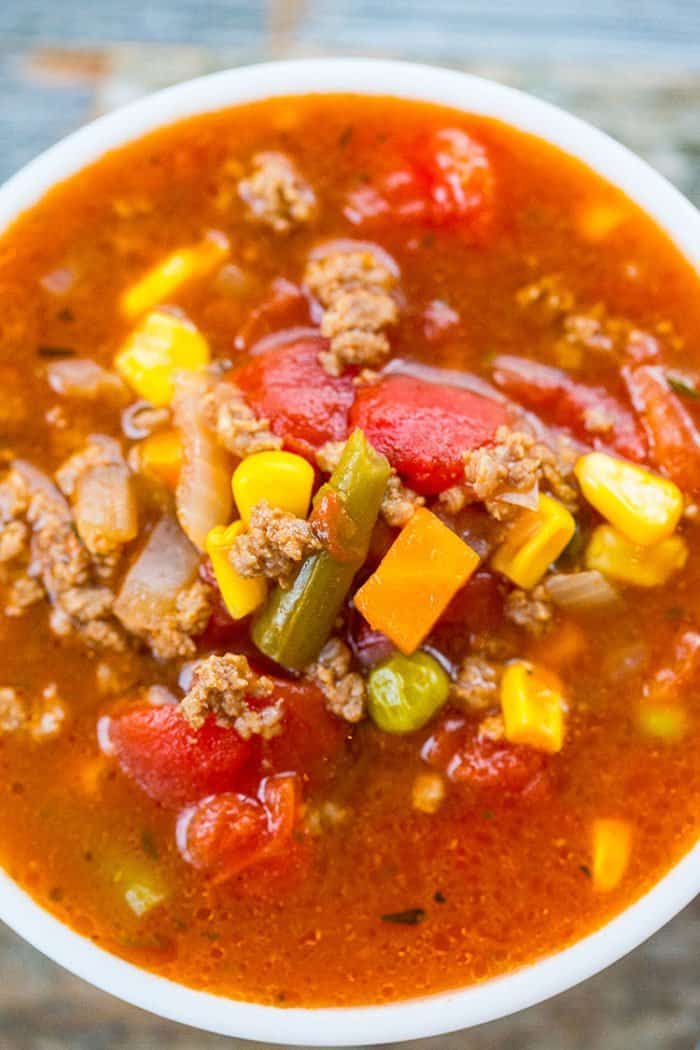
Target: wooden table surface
<point>632,69</point>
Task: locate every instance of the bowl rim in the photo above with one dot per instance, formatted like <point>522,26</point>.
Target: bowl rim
<point>447,1011</point>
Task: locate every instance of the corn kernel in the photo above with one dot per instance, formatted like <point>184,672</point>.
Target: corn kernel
<point>241,595</point>
<point>162,345</point>
<point>284,479</point>
<point>534,541</point>
<point>428,792</point>
<point>597,221</point>
<point>533,706</point>
<point>667,722</point>
<point>160,455</point>
<point>612,845</point>
<point>615,556</point>
<point>643,506</point>
<point>166,277</point>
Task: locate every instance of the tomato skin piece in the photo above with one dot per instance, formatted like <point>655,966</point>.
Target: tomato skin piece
<point>173,763</point>
<point>225,834</point>
<point>311,740</point>
<point>457,750</point>
<point>444,180</point>
<point>563,402</point>
<point>305,406</point>
<point>423,428</point>
<point>674,440</point>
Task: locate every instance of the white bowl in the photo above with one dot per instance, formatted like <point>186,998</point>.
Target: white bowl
<point>479,1003</point>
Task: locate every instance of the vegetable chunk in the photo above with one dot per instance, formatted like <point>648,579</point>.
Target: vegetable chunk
<point>644,507</point>
<point>424,428</point>
<point>418,577</point>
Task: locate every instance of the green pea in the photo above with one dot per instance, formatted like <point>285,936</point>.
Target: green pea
<point>406,691</point>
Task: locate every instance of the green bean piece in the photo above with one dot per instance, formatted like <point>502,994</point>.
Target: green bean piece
<point>295,623</point>
<point>406,691</point>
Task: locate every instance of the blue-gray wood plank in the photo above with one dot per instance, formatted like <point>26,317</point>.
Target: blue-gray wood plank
<point>632,68</point>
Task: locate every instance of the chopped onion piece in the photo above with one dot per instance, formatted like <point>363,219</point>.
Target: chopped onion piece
<point>81,378</point>
<point>581,591</point>
<point>105,508</point>
<point>165,566</point>
<point>203,498</point>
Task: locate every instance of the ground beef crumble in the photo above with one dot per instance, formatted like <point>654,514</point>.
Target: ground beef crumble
<point>273,545</point>
<point>235,424</point>
<point>222,686</point>
<point>276,194</point>
<point>355,289</point>
<point>172,637</point>
<point>328,456</point>
<point>531,610</point>
<point>476,686</point>
<point>53,561</point>
<point>13,710</point>
<point>581,332</point>
<point>345,691</point>
<point>399,503</point>
<point>507,475</point>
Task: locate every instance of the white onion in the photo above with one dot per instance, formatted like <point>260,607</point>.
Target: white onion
<point>166,565</point>
<point>581,591</point>
<point>105,508</point>
<point>203,498</point>
<point>79,377</point>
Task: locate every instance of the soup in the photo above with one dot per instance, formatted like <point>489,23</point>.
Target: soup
<point>349,551</point>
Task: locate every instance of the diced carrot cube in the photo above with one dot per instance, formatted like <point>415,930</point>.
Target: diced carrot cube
<point>422,571</point>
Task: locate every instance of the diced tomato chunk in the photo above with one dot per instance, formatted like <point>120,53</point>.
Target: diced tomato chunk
<point>674,440</point>
<point>305,406</point>
<point>173,763</point>
<point>584,410</point>
<point>311,739</point>
<point>457,750</point>
<point>423,428</point>
<point>444,180</point>
<point>227,833</point>
<point>286,307</point>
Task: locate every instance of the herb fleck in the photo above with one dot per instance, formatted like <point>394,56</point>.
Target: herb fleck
<point>345,136</point>
<point>148,844</point>
<point>676,612</point>
<point>409,917</point>
<point>681,385</point>
<point>439,897</point>
<point>487,814</point>
<point>586,870</point>
<point>55,351</point>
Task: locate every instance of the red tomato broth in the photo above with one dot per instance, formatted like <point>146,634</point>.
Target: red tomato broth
<point>514,873</point>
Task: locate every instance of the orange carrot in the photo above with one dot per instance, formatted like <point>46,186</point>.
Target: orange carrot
<point>422,571</point>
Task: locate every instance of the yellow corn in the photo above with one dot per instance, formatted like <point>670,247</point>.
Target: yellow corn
<point>428,792</point>
<point>667,722</point>
<point>534,541</point>
<point>643,506</point>
<point>160,455</point>
<point>597,221</point>
<point>615,556</point>
<point>162,345</point>
<point>166,277</point>
<point>533,706</point>
<point>612,844</point>
<point>240,595</point>
<point>282,478</point>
